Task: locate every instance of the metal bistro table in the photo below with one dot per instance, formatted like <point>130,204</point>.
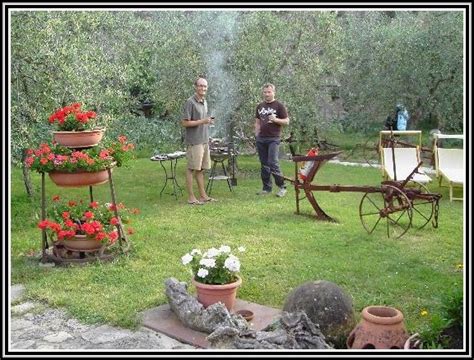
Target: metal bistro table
<point>173,159</point>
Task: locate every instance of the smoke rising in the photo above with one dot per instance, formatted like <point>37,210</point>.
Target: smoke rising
<point>222,94</point>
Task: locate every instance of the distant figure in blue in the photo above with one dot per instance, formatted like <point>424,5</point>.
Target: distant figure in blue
<point>400,122</point>
<point>402,117</point>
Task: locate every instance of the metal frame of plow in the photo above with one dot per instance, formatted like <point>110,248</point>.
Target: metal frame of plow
<point>394,197</point>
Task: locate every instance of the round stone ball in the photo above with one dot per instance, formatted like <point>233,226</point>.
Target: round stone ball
<point>327,305</point>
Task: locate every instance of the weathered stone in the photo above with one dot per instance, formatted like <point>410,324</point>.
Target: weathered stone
<point>291,331</point>
<point>194,315</point>
<point>326,304</point>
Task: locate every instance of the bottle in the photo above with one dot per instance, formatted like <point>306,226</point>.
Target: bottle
<point>304,171</point>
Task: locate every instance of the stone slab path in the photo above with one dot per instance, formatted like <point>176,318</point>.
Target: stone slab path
<point>36,326</point>
<point>163,320</point>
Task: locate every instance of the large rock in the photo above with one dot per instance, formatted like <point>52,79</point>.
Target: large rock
<point>327,305</point>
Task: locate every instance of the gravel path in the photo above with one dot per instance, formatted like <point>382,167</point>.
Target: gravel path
<point>36,326</point>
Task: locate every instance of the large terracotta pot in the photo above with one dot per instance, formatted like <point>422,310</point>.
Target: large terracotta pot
<point>78,139</point>
<point>81,243</point>
<point>211,294</point>
<point>381,327</point>
<point>78,179</point>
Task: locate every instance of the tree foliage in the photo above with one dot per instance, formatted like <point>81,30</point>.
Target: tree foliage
<point>413,57</point>
<point>360,63</point>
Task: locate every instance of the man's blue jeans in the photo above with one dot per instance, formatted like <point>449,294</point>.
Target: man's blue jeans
<point>268,148</point>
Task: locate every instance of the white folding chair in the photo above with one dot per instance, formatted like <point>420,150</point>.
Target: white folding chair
<point>449,164</point>
<point>406,160</point>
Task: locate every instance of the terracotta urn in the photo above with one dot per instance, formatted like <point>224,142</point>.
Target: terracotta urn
<point>381,327</point>
<point>78,179</point>
<point>78,139</point>
<point>81,243</point>
<point>208,294</point>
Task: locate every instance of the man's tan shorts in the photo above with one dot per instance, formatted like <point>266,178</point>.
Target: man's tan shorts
<point>198,157</point>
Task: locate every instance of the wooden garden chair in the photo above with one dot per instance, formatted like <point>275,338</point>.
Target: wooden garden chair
<point>399,158</point>
<point>405,159</point>
<point>449,164</point>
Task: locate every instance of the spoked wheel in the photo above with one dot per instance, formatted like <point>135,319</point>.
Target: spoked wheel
<point>423,209</point>
<point>388,211</point>
<point>370,151</point>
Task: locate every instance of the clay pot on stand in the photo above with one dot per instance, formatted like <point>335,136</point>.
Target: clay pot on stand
<point>210,294</point>
<point>78,179</point>
<point>78,139</point>
<point>381,327</point>
<point>81,243</point>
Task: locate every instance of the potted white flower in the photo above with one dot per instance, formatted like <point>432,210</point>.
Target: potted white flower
<point>215,274</point>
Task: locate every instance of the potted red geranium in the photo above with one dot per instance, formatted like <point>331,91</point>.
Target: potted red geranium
<point>75,128</point>
<point>74,167</point>
<point>79,225</point>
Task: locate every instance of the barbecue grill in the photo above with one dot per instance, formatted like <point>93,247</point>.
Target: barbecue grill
<point>220,151</point>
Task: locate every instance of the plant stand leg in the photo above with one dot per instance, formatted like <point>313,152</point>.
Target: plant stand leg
<point>44,238</point>
<point>122,235</point>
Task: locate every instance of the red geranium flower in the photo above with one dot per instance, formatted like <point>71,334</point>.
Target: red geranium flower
<point>98,221</point>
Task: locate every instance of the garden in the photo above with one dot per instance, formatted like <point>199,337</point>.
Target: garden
<point>414,273</point>
<point>81,72</point>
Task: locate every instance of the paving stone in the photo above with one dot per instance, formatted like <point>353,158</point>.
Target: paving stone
<point>57,337</point>
<point>16,292</point>
<point>23,344</point>
<point>23,308</point>
<point>75,326</point>
<point>36,326</point>
<point>104,334</point>
<point>46,265</point>
<point>48,346</point>
<point>19,324</point>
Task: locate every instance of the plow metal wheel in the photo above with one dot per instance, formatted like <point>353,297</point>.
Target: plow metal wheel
<point>387,211</point>
<point>423,209</point>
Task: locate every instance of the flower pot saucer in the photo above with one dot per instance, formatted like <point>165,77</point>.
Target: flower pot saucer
<point>246,314</point>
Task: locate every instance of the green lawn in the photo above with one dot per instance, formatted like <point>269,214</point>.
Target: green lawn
<point>284,250</point>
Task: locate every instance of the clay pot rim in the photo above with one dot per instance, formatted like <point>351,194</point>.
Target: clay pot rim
<point>83,171</point>
<point>236,283</point>
<point>394,315</point>
<point>79,131</point>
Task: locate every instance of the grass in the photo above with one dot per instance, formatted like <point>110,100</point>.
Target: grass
<point>283,250</point>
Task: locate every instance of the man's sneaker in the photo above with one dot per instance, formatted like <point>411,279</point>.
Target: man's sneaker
<point>281,192</point>
<point>264,192</point>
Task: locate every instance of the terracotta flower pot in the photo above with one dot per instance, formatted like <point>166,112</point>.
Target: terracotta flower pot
<point>210,294</point>
<point>81,243</point>
<point>381,327</point>
<point>78,179</point>
<point>78,139</point>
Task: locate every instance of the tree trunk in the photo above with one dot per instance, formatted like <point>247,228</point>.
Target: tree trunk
<point>26,175</point>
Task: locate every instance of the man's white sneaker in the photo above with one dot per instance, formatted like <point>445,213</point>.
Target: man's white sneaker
<point>281,192</point>
<point>264,192</point>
